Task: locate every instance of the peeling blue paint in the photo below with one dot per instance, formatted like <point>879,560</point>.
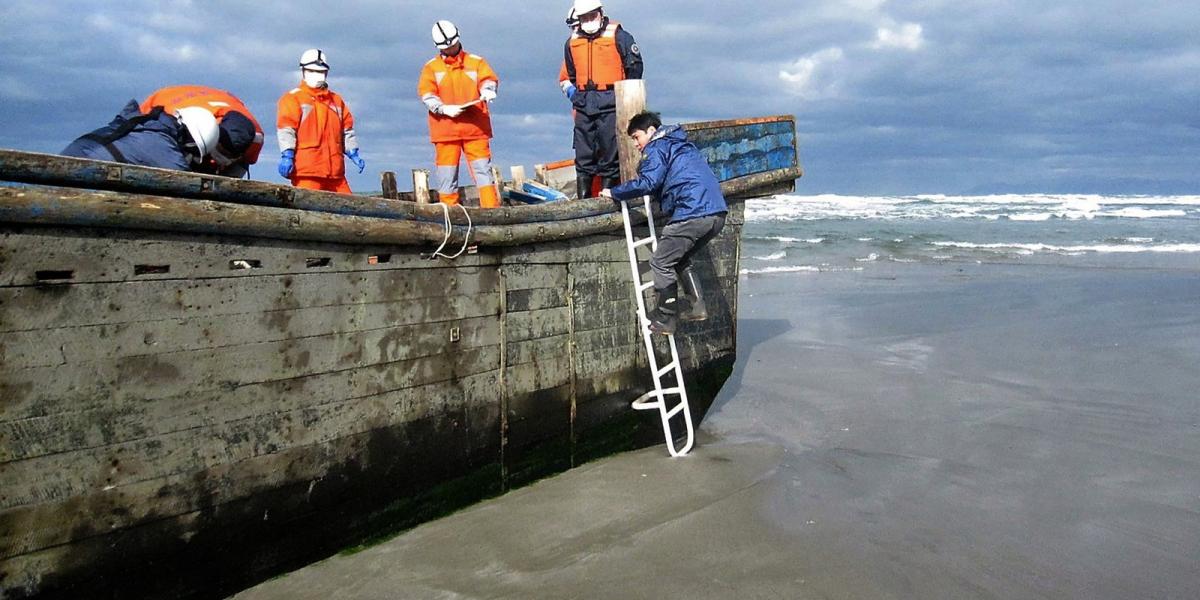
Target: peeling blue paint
<point>745,150</point>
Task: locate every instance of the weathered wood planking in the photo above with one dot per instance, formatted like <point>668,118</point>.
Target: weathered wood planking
<point>35,526</point>
<point>62,346</point>
<point>236,409</point>
<point>297,482</point>
<point>97,256</point>
<point>58,306</point>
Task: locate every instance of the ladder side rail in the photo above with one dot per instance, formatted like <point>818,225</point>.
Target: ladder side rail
<point>650,222</point>
<point>683,401</point>
<point>641,302</point>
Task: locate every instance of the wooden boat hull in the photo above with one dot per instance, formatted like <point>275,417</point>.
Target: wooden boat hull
<point>196,395</point>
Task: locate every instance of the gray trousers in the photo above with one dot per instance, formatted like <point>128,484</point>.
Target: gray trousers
<point>677,243</point>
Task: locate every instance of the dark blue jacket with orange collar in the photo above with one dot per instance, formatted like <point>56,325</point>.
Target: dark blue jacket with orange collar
<point>138,139</point>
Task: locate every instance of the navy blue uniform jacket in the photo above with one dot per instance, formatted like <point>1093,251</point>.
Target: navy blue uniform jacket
<point>153,143</point>
<point>674,171</point>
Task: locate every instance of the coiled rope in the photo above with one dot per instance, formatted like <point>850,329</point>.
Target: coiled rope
<point>449,230</point>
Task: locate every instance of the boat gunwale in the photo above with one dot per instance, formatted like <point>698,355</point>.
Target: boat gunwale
<point>69,191</point>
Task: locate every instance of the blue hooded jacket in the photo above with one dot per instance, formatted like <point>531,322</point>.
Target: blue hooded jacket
<point>673,169</point>
<point>150,142</point>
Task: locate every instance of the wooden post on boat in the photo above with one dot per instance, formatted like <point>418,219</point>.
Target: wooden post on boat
<point>387,182</point>
<point>498,180</point>
<point>421,185</point>
<point>631,100</point>
<point>518,175</point>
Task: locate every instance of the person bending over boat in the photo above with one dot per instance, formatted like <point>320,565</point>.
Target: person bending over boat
<point>457,87</point>
<point>598,54</point>
<point>674,171</point>
<point>241,137</point>
<point>315,128</point>
<point>179,139</point>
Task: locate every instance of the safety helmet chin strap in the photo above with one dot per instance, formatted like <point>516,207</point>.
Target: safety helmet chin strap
<point>449,40</point>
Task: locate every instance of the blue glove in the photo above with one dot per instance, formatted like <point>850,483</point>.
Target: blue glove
<point>357,160</point>
<point>569,89</point>
<point>287,163</point>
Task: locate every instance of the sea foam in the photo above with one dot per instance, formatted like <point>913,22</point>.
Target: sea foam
<point>1098,248</point>
<point>1035,207</point>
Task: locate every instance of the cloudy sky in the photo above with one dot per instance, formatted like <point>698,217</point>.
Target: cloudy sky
<point>891,97</point>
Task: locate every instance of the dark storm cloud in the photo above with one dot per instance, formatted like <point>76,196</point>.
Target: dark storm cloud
<point>890,97</point>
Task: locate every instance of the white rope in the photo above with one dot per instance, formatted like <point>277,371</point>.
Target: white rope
<point>450,229</point>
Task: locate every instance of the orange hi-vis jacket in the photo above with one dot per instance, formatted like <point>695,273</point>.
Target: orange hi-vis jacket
<point>457,80</point>
<point>597,60</point>
<point>218,102</point>
<point>317,123</point>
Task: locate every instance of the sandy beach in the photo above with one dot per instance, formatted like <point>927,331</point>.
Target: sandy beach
<point>922,431</point>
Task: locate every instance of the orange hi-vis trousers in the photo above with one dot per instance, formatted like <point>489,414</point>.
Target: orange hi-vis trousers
<point>335,184</point>
<point>479,158</point>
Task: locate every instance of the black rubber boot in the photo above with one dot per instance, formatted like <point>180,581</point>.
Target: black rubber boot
<point>663,317</point>
<point>691,297</point>
<point>583,186</point>
<point>609,182</point>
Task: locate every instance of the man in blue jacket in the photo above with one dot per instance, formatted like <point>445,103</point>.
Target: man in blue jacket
<point>180,140</point>
<point>673,170</point>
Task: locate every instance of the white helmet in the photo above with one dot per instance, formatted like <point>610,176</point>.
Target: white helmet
<point>203,127</point>
<point>445,34</point>
<point>313,60</point>
<point>572,20</point>
<point>583,7</point>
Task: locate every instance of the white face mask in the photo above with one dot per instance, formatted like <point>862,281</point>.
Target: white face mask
<point>590,27</point>
<point>315,79</point>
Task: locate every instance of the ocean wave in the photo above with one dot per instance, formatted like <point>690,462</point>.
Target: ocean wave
<point>798,269</point>
<point>784,239</point>
<point>775,256</point>
<point>1072,250</point>
<point>1085,199</point>
<point>1144,213</point>
<point>788,208</point>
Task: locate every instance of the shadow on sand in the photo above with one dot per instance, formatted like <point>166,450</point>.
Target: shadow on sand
<point>750,333</point>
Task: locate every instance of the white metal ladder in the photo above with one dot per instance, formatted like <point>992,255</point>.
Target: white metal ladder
<point>657,398</point>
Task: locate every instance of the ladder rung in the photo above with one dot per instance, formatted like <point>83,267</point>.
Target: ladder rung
<point>645,286</point>
<point>666,369</point>
<point>673,390</point>
<point>678,409</point>
<point>643,242</point>
<point>644,401</point>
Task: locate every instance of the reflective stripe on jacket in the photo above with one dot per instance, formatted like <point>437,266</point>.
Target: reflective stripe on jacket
<point>218,102</point>
<point>457,80</point>
<point>319,126</point>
